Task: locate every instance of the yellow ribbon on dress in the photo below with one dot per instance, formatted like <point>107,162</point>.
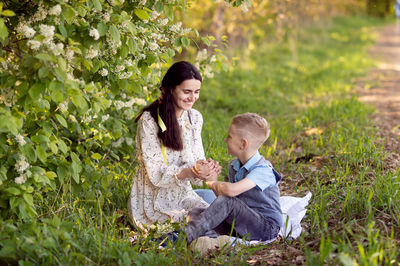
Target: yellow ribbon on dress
<point>163,128</point>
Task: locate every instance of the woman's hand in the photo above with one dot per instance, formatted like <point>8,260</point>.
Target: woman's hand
<point>206,169</point>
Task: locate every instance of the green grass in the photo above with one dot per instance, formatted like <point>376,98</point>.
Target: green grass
<point>303,83</point>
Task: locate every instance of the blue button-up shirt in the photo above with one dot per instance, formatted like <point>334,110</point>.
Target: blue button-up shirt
<point>262,175</point>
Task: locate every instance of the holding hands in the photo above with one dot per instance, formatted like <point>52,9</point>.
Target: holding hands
<point>207,169</point>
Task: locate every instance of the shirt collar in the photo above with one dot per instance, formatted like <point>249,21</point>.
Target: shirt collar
<point>254,159</point>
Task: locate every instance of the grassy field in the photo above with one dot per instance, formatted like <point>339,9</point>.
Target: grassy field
<point>322,141</point>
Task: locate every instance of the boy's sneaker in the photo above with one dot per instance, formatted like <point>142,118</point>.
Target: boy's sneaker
<point>204,244</point>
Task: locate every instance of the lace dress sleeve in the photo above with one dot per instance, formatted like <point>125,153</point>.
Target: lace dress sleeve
<point>198,150</point>
<point>159,174</point>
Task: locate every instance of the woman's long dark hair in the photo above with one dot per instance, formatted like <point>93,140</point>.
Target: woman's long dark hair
<point>176,74</point>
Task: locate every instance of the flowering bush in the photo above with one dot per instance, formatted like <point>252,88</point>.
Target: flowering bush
<point>73,75</point>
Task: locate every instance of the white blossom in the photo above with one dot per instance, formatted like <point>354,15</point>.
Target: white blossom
<point>119,68</point>
<point>20,179</point>
<point>124,75</point>
<point>103,72</point>
<point>40,14</point>
<point>21,165</point>
<point>213,58</point>
<point>55,10</point>
<point>56,48</point>
<point>130,103</point>
<point>244,8</point>
<point>87,119</point>
<point>176,27</point>
<point>94,33</point>
<point>118,143</point>
<point>105,117</point>
<point>162,22</point>
<point>91,53</point>
<point>155,14</point>
<point>208,72</point>
<point>186,31</point>
<point>26,31</point>
<point>47,31</point>
<point>20,139</point>
<point>34,45</point>
<point>128,62</point>
<point>7,97</point>
<point>106,17</point>
<point>201,55</point>
<point>73,118</point>
<point>69,54</point>
<point>129,141</point>
<point>140,101</point>
<point>63,106</point>
<point>119,105</point>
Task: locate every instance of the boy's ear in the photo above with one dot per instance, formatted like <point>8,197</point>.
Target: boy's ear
<point>245,144</point>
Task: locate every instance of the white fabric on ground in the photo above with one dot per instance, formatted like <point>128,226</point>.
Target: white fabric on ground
<point>293,210</point>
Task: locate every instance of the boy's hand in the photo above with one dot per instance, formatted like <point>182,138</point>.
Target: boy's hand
<point>204,169</point>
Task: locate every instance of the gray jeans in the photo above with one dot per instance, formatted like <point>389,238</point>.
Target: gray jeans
<point>225,213</point>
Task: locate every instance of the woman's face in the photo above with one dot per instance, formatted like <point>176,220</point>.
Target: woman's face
<point>186,94</point>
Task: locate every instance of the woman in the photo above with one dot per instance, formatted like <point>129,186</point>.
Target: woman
<point>170,151</point>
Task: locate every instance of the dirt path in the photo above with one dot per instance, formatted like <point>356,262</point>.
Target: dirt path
<point>384,93</point>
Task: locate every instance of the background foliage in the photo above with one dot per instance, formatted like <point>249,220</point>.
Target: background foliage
<point>74,74</point>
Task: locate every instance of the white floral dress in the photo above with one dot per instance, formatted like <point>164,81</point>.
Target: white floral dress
<point>156,194</point>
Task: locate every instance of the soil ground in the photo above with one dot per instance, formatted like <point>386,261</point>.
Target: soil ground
<point>384,93</point>
<point>381,89</point>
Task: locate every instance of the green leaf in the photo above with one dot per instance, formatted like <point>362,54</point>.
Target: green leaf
<point>44,57</point>
<point>76,169</point>
<point>56,91</point>
<point>206,41</point>
<point>28,198</point>
<point>69,14</point>
<point>63,147</point>
<point>124,51</point>
<point>36,90</point>
<point>3,30</point>
<point>132,45</point>
<point>102,29</point>
<point>142,14</point>
<point>51,175</point>
<point>159,7</point>
<point>131,27</point>
<point>7,13</point>
<point>62,172</point>
<point>185,41</point>
<point>42,155</point>
<point>97,5</point>
<point>53,147</point>
<point>40,138</point>
<point>63,30</point>
<point>75,158</point>
<point>169,12</point>
<point>61,120</point>
<point>29,152</point>
<point>79,101</point>
<point>114,32</point>
<point>13,190</point>
<point>96,156</point>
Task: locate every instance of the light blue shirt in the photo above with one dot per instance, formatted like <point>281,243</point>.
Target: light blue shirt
<point>262,175</point>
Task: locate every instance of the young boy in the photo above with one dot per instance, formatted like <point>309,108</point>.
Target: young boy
<point>250,201</point>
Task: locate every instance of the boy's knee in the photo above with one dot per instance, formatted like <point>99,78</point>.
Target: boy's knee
<point>193,213</point>
<point>224,199</point>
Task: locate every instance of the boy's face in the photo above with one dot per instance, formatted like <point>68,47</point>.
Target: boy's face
<point>233,141</point>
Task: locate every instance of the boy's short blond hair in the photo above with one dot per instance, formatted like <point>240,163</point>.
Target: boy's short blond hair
<point>253,127</point>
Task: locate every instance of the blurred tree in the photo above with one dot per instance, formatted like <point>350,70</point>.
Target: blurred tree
<point>379,8</point>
